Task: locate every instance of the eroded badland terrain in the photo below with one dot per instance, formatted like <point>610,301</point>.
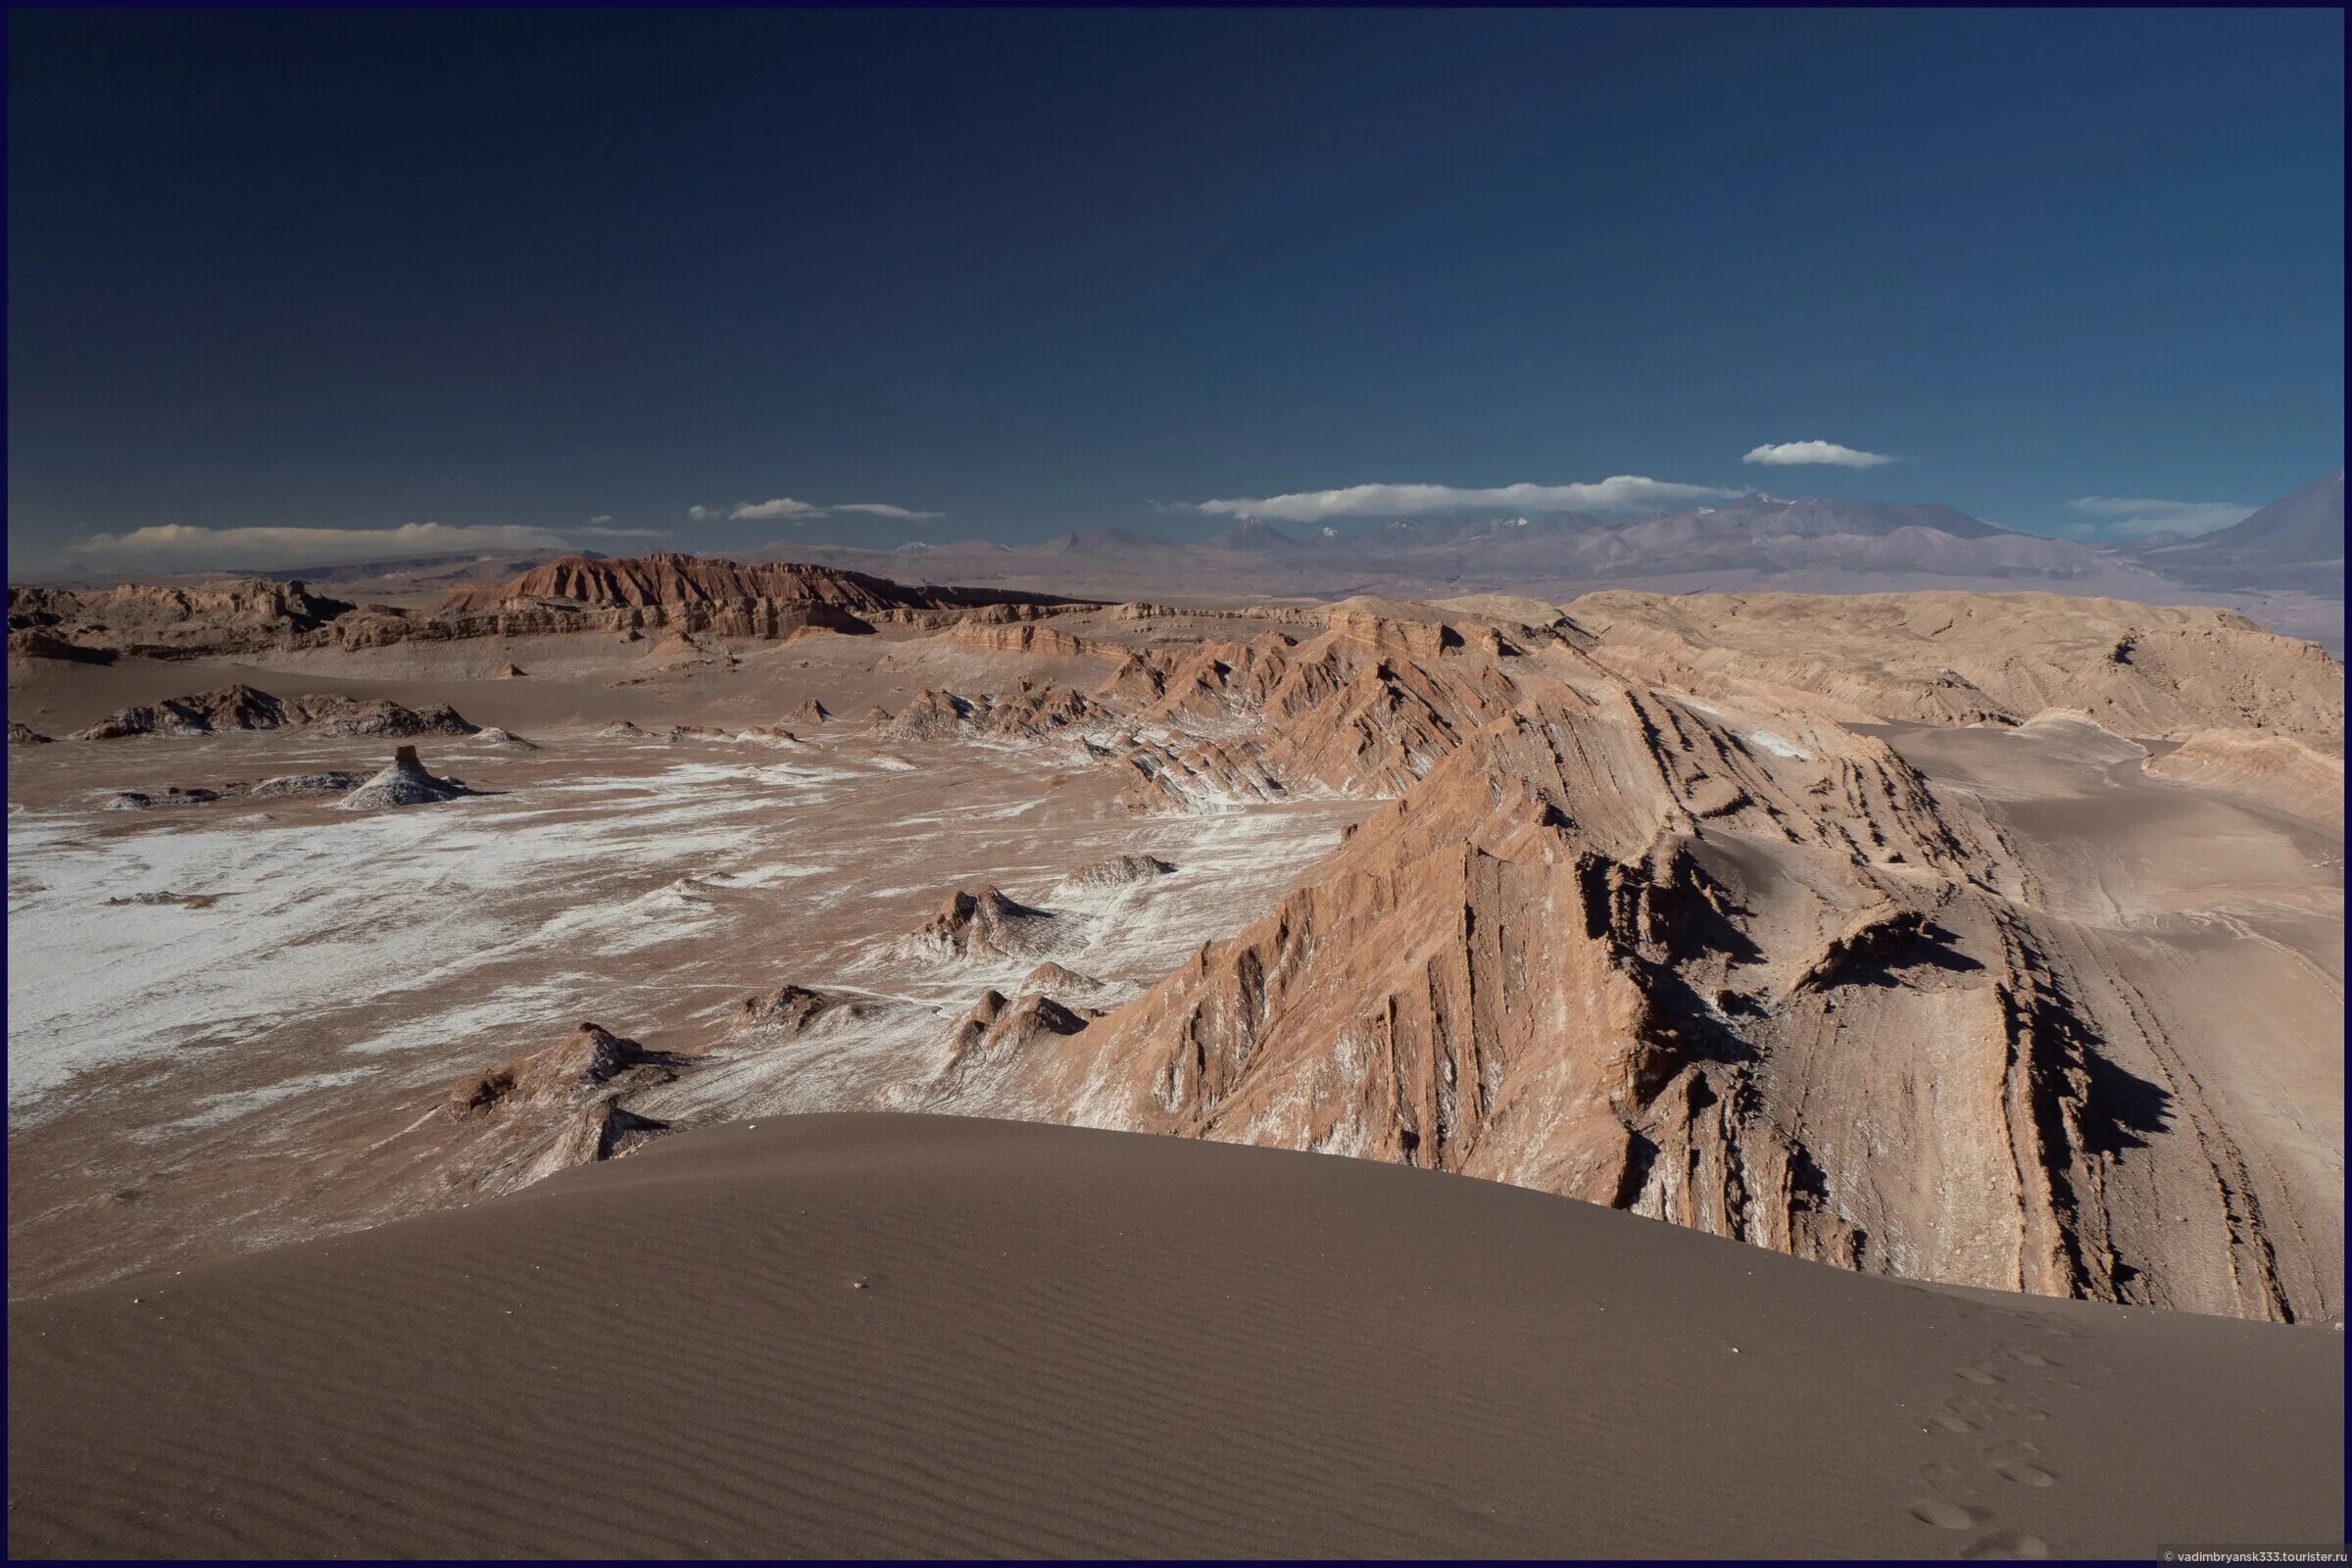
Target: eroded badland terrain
<point>1987,939</point>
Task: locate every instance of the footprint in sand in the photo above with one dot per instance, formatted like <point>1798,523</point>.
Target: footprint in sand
<point>2004,1544</point>
<point>1945,1514</point>
<point>2029,1358</point>
<point>1978,1374</point>
<point>2025,1474</point>
<point>1945,1478</point>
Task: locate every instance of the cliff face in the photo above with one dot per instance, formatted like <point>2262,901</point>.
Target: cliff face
<point>1610,943</point>
<point>670,579</point>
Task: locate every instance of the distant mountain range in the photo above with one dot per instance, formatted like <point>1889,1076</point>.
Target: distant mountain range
<point>2283,565</point>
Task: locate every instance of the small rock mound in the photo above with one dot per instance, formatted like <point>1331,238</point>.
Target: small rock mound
<point>24,735</point>
<point>375,716</point>
<point>983,924</point>
<point>792,1011</point>
<point>403,783</point>
<point>589,1061</point>
<point>997,1031</point>
<point>1871,938</point>
<point>185,900</point>
<point>1058,980</point>
<point>930,716</point>
<point>563,1104</point>
<point>509,671</point>
<point>620,729</point>
<point>1118,871</point>
<point>202,713</point>
<point>289,785</point>
<point>505,737</point>
<point>813,712</point>
<point>243,708</point>
<point>138,801</point>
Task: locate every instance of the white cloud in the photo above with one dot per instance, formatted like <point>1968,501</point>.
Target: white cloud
<point>622,533</point>
<point>601,517</point>
<point>1623,492</point>
<point>702,514</point>
<point>1787,454</point>
<point>2123,518</point>
<point>780,507</point>
<point>273,547</point>
<point>882,509</point>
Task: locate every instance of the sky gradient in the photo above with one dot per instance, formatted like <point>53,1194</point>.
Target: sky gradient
<point>716,280</point>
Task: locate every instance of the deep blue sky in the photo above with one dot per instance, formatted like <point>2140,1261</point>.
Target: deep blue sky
<point>357,269</point>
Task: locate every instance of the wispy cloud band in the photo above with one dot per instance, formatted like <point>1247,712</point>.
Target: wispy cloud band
<point>264,545</point>
<point>2126,517</point>
<point>798,511</point>
<point>1623,492</point>
<point>271,546</point>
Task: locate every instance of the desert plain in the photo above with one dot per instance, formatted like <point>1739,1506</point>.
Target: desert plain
<point>1852,1075</point>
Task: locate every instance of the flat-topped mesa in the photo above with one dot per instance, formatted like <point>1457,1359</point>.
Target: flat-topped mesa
<point>672,581</point>
<point>669,578</point>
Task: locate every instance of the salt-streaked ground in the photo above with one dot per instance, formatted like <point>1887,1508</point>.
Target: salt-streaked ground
<point>338,968</point>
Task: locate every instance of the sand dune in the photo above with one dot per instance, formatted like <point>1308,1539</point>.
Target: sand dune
<point>887,1336</point>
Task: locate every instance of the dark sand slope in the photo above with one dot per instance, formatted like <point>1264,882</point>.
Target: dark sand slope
<point>879,1335</point>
